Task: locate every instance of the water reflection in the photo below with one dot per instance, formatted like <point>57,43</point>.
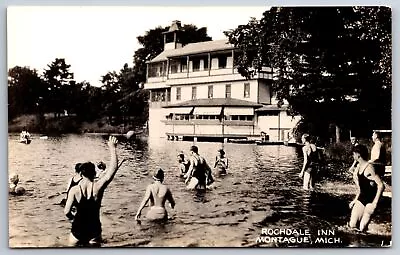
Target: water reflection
<point>261,189</point>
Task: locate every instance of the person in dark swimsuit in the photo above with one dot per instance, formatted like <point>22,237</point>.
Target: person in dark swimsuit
<point>87,197</point>
<point>199,171</point>
<point>157,193</point>
<point>72,182</point>
<point>310,155</point>
<point>76,178</point>
<point>370,188</point>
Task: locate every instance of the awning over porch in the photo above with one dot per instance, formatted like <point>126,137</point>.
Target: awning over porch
<point>180,110</point>
<point>207,111</point>
<point>239,111</point>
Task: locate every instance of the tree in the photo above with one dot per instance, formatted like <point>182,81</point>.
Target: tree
<point>328,64</point>
<point>58,79</point>
<point>25,91</point>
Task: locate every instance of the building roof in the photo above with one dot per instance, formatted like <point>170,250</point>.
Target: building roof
<point>272,107</point>
<point>194,48</point>
<point>216,102</point>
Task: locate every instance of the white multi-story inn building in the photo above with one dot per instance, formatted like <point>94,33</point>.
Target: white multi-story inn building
<point>197,93</point>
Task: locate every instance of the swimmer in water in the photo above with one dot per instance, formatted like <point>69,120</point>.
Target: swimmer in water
<point>14,189</point>
<point>87,197</point>
<point>183,164</point>
<point>221,163</point>
<point>157,193</point>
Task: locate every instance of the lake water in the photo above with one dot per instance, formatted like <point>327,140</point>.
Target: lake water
<point>261,191</point>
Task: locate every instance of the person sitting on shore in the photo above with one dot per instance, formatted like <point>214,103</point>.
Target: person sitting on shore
<point>310,155</point>
<point>370,188</point>
<point>157,193</point>
<point>87,197</point>
<point>14,189</point>
<point>183,164</point>
<point>199,173</point>
<point>221,163</point>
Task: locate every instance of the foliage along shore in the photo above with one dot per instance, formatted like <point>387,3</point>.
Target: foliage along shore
<point>66,124</point>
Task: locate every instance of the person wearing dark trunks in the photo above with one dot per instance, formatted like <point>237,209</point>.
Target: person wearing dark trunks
<point>157,194</point>
<point>310,155</point>
<point>378,155</point>
<point>86,197</point>
<point>370,188</point>
<point>199,171</point>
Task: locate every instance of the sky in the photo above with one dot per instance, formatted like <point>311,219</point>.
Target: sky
<point>96,40</point>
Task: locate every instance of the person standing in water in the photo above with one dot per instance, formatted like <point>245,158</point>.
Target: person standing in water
<point>199,172</point>
<point>87,197</point>
<point>221,162</point>
<point>183,164</point>
<point>370,188</point>
<point>157,193</point>
<point>310,155</point>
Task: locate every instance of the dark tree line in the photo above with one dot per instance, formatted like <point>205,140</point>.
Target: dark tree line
<point>121,98</point>
<point>332,64</point>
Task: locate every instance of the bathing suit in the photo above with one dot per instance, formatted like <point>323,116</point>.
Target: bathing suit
<point>86,225</point>
<point>312,160</point>
<point>380,162</point>
<point>199,171</point>
<point>72,184</point>
<point>368,188</point>
<point>157,213</point>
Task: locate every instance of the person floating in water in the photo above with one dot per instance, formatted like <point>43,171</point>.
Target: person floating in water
<point>370,188</point>
<point>86,196</point>
<point>199,173</point>
<point>221,162</point>
<point>183,164</point>
<point>310,155</point>
<point>14,189</point>
<point>157,193</point>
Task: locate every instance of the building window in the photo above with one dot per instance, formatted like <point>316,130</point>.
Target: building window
<point>178,93</point>
<point>194,92</point>
<point>228,91</point>
<point>174,68</point>
<point>222,62</point>
<point>184,66</point>
<point>196,65</point>
<point>205,61</point>
<point>210,91</point>
<point>158,96</point>
<point>246,90</point>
